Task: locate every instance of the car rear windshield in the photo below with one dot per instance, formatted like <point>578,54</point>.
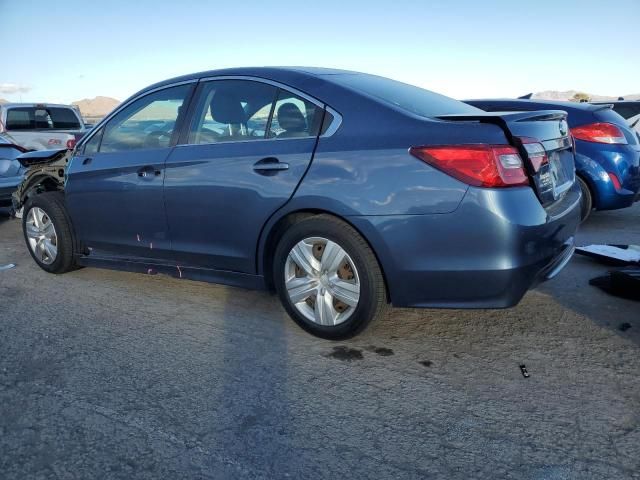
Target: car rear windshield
<point>37,118</point>
<point>627,110</point>
<point>407,97</point>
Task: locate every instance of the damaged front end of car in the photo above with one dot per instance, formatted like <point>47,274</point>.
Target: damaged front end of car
<point>46,172</point>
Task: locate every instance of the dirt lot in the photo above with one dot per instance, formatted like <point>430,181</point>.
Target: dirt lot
<point>113,375</point>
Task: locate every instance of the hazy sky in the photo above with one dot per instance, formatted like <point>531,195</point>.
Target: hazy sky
<point>67,50</point>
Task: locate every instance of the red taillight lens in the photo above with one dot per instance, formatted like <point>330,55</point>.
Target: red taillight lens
<point>600,133</point>
<point>536,152</point>
<point>71,143</point>
<point>615,180</point>
<point>477,165</point>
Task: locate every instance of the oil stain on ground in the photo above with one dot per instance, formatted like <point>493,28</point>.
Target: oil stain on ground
<point>426,363</point>
<point>624,326</point>
<point>345,354</point>
<point>383,352</point>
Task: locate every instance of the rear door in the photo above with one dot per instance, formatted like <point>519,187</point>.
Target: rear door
<point>247,147</point>
<point>114,188</point>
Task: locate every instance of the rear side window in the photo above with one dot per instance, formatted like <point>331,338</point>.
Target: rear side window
<point>42,118</point>
<point>407,97</point>
<point>294,117</point>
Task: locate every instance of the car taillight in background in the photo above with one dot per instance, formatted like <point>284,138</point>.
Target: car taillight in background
<point>477,165</point>
<point>71,143</point>
<point>600,133</point>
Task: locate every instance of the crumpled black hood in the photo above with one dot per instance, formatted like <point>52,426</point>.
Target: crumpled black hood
<point>38,157</point>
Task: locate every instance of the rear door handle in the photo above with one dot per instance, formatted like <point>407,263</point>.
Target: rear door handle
<point>270,164</point>
<point>146,172</point>
<point>87,161</point>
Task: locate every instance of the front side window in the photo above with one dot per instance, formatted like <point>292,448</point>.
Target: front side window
<point>232,110</point>
<point>147,123</point>
<point>93,145</point>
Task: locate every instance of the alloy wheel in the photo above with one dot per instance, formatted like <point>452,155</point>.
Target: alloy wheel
<point>42,236</point>
<point>322,281</point>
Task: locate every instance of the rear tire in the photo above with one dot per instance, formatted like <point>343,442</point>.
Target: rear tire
<point>586,204</point>
<point>337,289</point>
<point>48,233</point>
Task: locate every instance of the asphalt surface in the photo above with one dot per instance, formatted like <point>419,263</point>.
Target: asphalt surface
<point>107,374</point>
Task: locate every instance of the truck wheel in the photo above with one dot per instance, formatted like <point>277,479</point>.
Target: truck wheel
<point>47,232</point>
<point>327,278</point>
<point>586,204</point>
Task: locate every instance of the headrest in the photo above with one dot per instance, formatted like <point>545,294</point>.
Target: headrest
<point>290,118</point>
<point>226,108</point>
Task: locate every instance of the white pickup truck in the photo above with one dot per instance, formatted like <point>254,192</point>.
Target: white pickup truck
<point>41,126</point>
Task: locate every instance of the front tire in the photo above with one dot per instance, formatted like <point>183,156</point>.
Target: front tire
<point>47,232</point>
<point>327,277</point>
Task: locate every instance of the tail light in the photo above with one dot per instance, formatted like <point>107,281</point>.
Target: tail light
<point>600,133</point>
<point>71,143</point>
<point>477,165</point>
<point>536,152</point>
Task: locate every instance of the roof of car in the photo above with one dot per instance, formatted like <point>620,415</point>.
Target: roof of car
<point>37,104</point>
<point>282,74</point>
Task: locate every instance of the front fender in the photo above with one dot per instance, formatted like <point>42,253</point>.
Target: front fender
<point>49,174</point>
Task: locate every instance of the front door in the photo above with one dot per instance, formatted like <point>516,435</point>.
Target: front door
<point>114,188</point>
<point>247,148</point>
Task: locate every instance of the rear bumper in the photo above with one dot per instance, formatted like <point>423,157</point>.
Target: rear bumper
<point>594,162</point>
<point>497,245</point>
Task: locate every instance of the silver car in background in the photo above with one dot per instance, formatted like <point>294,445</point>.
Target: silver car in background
<point>41,126</point>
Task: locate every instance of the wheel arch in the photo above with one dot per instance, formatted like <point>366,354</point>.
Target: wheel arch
<point>592,188</point>
<point>38,184</point>
<point>278,224</point>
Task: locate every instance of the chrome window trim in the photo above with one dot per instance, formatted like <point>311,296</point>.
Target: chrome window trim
<point>243,141</point>
<point>122,106</point>
<point>283,86</point>
<point>335,124</point>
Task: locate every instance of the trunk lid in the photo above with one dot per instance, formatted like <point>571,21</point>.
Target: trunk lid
<point>548,127</point>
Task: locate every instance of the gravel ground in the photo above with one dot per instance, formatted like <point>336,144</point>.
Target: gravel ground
<point>107,374</point>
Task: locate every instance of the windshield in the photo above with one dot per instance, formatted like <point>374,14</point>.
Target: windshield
<point>38,118</point>
<point>407,97</point>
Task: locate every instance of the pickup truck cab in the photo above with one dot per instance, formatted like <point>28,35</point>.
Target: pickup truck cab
<point>41,126</point>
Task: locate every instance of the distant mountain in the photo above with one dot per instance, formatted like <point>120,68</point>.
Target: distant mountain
<point>96,107</point>
<point>568,95</point>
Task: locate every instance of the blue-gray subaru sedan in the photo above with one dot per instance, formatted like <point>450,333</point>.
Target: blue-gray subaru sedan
<point>342,191</point>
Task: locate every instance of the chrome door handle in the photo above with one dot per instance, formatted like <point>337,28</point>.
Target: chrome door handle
<point>146,172</point>
<point>270,164</point>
